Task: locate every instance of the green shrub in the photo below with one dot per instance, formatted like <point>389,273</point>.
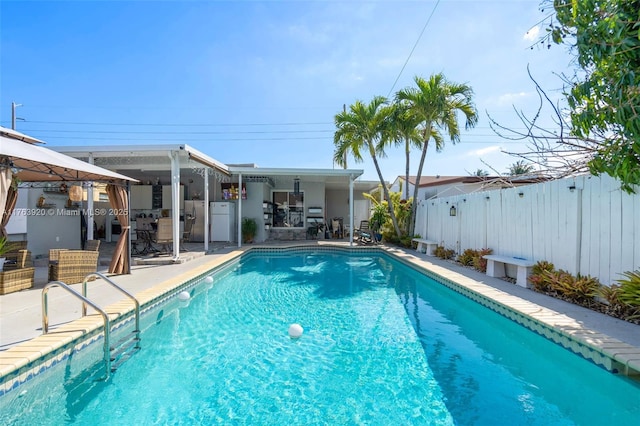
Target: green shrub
<point>479,263</point>
<point>538,279</point>
<point>630,289</point>
<point>444,253</point>
<point>581,290</point>
<point>629,293</point>
<point>467,256</point>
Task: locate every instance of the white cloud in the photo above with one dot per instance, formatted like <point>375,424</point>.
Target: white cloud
<point>512,98</point>
<point>532,34</point>
<point>484,151</point>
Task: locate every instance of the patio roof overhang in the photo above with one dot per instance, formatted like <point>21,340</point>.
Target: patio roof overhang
<point>284,177</point>
<point>148,162</point>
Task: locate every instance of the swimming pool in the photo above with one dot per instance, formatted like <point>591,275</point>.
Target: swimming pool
<point>383,344</point>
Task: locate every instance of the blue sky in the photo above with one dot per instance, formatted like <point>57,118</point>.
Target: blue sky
<point>260,82</point>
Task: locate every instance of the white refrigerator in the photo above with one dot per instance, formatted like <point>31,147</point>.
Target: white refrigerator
<point>223,221</point>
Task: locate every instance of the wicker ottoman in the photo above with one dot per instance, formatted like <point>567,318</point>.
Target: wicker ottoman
<point>16,280</point>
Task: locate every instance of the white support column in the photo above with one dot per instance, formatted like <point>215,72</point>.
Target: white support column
<point>351,229</point>
<point>206,209</point>
<point>90,235</point>
<point>239,218</point>
<point>175,202</point>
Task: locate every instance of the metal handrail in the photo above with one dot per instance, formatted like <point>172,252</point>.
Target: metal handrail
<point>85,301</point>
<point>123,291</point>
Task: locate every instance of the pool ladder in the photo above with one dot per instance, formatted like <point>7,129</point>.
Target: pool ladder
<point>114,355</point>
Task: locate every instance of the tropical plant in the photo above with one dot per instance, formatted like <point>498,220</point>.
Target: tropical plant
<point>379,217</point>
<point>479,262</point>
<point>5,246</point>
<point>443,253</point>
<point>435,103</point>
<point>538,279</point>
<point>467,256</point>
<point>480,173</point>
<point>630,289</point>
<point>249,229</point>
<point>520,168</point>
<point>365,127</point>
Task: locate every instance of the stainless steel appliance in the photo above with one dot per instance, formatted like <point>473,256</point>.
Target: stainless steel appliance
<point>195,208</point>
<point>223,221</point>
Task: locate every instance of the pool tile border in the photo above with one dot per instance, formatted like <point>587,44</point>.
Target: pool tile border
<point>23,362</point>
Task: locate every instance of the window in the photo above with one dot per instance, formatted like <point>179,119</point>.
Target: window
<point>288,209</point>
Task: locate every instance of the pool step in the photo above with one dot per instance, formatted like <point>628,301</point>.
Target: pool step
<point>124,348</point>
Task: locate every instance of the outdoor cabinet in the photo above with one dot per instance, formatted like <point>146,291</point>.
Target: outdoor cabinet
<point>141,197</point>
<point>166,197</point>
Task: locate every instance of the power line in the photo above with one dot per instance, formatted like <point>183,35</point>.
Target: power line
<point>119,132</point>
<point>414,47</point>
<point>88,123</point>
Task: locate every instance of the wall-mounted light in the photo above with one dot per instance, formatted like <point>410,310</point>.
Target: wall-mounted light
<point>520,194</point>
<point>296,186</point>
<point>75,193</point>
<point>452,211</point>
<point>487,197</point>
<point>572,188</point>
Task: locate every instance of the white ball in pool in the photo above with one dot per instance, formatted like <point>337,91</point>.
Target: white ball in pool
<point>184,295</point>
<point>208,279</point>
<point>295,331</point>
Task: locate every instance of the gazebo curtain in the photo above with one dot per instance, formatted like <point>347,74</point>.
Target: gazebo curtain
<point>119,202</point>
<point>8,197</point>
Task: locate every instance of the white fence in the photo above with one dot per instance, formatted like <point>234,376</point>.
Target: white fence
<point>585,225</point>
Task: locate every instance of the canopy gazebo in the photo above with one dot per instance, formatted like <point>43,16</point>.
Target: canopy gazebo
<point>22,160</point>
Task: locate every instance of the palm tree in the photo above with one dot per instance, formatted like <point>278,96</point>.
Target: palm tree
<point>519,168</point>
<point>436,102</point>
<point>480,173</point>
<point>364,127</point>
<point>404,128</point>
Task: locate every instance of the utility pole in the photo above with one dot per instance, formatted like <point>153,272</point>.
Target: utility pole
<point>13,114</point>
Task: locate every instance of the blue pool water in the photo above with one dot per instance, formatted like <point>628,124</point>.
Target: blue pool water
<point>383,345</point>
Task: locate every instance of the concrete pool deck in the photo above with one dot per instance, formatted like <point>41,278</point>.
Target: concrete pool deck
<point>21,312</point>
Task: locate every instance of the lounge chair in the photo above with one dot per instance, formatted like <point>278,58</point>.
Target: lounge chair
<point>364,234</point>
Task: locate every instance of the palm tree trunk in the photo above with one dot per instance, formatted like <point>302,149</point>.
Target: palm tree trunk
<point>414,204</point>
<point>406,171</point>
<point>385,190</point>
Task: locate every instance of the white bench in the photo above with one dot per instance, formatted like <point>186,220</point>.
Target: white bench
<point>496,268</point>
<point>425,246</point>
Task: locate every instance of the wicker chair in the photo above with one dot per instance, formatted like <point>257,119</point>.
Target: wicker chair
<point>72,266</point>
<point>18,257</point>
<point>92,245</point>
<point>164,234</point>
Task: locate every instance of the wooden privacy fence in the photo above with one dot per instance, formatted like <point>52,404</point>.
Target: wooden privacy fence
<point>585,225</point>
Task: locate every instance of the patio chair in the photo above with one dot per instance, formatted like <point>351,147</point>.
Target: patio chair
<point>188,225</point>
<point>164,234</point>
<point>18,257</point>
<point>336,228</point>
<point>72,266</point>
<point>92,245</point>
<point>364,234</point>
